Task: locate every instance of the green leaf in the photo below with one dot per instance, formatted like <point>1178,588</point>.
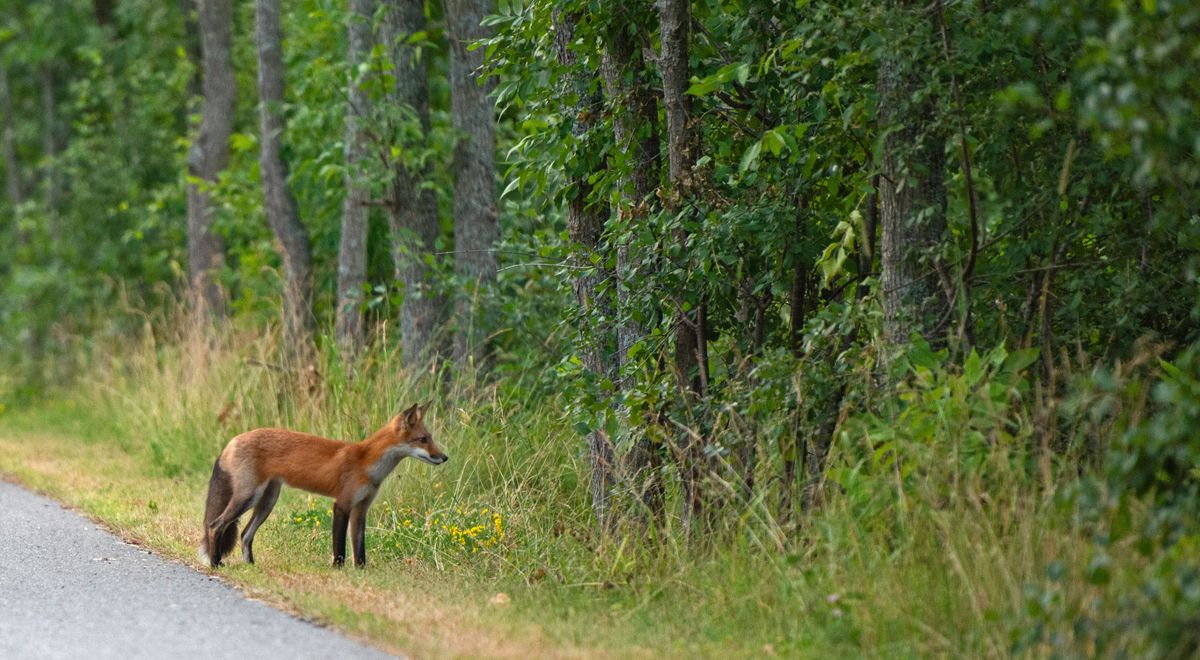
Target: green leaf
<point>972,369</point>
<point>1019,360</point>
<point>1171,370</point>
<point>243,142</point>
<point>750,158</point>
<point>831,262</point>
<point>773,141</point>
<point>739,71</point>
<point>512,185</point>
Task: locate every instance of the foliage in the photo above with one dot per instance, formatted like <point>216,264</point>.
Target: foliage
<point>943,576</point>
<point>1067,392</point>
<point>1144,505</point>
<point>1159,456</point>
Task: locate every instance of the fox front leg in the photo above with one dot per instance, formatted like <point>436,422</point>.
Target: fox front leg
<point>358,535</point>
<point>341,518</point>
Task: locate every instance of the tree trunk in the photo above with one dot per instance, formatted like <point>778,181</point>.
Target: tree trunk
<point>298,323</point>
<point>195,55</point>
<point>675,19</point>
<point>791,446</point>
<point>636,131</point>
<point>50,141</point>
<point>105,11</point>
<point>912,204</point>
<point>866,253</point>
<point>352,248</point>
<point>798,306</point>
<point>8,144</point>
<point>209,154</point>
<point>476,230</point>
<point>413,212</point>
<point>585,226</point>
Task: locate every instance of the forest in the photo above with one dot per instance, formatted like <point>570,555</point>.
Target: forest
<point>755,327</point>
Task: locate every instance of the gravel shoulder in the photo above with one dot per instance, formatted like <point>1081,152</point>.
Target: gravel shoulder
<point>69,589</point>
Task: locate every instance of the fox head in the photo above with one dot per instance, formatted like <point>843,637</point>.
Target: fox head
<point>414,439</point>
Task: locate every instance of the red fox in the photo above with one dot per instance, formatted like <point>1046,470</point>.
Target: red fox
<point>251,468</point>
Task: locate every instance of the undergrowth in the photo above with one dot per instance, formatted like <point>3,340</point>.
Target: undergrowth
<point>945,529</point>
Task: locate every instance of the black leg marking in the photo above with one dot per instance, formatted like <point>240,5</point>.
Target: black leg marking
<point>224,528</point>
<point>341,518</point>
<point>358,534</point>
<point>227,540</point>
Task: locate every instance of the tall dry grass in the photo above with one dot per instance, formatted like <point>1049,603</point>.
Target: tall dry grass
<point>931,565</point>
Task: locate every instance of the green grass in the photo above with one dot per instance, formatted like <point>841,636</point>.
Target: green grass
<point>943,577</point>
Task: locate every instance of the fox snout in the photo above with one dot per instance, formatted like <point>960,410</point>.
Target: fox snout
<point>434,459</point>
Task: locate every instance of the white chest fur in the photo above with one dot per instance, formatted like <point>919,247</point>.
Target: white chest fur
<point>378,472</point>
<point>386,463</point>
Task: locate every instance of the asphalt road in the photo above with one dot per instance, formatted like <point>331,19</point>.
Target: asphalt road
<point>71,590</point>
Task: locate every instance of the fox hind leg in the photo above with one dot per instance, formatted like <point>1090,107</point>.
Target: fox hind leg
<point>266,502</point>
<point>223,530</point>
<point>220,491</point>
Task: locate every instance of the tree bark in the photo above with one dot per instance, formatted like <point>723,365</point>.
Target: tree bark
<point>50,138</point>
<point>866,254</point>
<point>791,445</point>
<point>209,154</point>
<point>195,55</point>
<point>635,127</point>
<point>585,226</point>
<point>413,212</point>
<point>912,204</point>
<point>352,247</point>
<point>298,323</point>
<point>476,229</point>
<point>675,19</point>
<point>8,144</point>
<point>798,306</point>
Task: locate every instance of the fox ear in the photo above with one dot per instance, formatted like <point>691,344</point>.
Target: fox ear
<point>423,408</point>
<point>412,415</point>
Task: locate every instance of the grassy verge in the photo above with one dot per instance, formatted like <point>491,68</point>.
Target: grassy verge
<point>406,606</point>
<point>944,575</point>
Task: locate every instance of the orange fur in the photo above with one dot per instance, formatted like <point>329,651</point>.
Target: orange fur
<point>250,470</point>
